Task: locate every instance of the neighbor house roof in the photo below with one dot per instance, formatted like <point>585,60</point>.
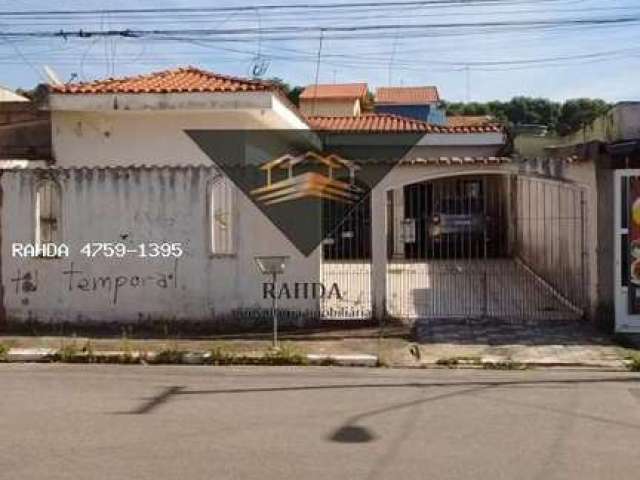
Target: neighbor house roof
<point>7,95</point>
<point>371,123</point>
<point>468,120</point>
<point>335,91</point>
<point>179,80</point>
<point>407,95</point>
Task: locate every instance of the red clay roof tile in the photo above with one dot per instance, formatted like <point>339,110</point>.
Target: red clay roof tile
<point>375,123</point>
<point>179,80</point>
<point>407,95</point>
<point>334,91</point>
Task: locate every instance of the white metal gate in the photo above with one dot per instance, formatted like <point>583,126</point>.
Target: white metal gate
<point>496,246</point>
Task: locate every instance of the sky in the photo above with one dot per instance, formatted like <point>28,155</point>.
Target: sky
<point>466,63</point>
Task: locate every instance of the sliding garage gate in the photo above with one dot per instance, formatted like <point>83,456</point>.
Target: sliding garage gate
<point>481,246</point>
<point>497,246</point>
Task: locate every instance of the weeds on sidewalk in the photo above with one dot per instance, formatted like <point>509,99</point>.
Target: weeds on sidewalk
<point>68,352</point>
<point>285,355</point>
<point>4,351</point>
<point>473,361</point>
<point>504,365</point>
<point>170,355</point>
<point>634,363</point>
<point>452,362</point>
<point>127,351</point>
<point>220,354</point>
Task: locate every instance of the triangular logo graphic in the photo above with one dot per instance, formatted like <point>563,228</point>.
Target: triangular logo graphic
<point>295,177</point>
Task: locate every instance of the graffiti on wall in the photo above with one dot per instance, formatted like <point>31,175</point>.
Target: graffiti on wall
<point>77,280</point>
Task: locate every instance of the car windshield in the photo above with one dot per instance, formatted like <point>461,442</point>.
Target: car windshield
<point>459,206</point>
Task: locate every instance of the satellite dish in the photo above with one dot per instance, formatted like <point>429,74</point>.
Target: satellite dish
<point>52,76</point>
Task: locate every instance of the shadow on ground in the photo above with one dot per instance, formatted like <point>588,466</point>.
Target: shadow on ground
<point>494,332</point>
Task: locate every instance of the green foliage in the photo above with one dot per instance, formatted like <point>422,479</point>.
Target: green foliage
<point>286,354</point>
<point>292,93</point>
<point>634,364</point>
<point>220,354</point>
<point>561,118</point>
<point>447,362</point>
<point>368,105</point>
<point>169,356</point>
<point>504,365</point>
<point>452,362</point>
<point>68,352</point>
<point>89,352</point>
<point>576,114</point>
<point>125,347</point>
<point>4,351</point>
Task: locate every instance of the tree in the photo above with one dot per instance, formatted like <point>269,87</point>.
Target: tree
<point>561,118</point>
<point>578,113</point>
<point>292,93</point>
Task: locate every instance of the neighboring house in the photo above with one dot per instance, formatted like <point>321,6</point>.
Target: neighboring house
<point>338,100</point>
<point>603,159</point>
<point>127,172</point>
<point>25,132</point>
<point>7,95</point>
<point>441,140</point>
<point>420,103</point>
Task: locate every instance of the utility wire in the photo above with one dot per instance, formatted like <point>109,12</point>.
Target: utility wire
<point>315,93</point>
<point>297,30</point>
<point>266,7</point>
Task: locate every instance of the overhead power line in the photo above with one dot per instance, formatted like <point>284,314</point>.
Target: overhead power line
<point>266,7</point>
<point>425,28</point>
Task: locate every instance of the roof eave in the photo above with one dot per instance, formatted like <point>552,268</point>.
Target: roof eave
<point>160,101</point>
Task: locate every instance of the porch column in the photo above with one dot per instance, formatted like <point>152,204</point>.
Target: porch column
<point>398,222</point>
<point>378,251</point>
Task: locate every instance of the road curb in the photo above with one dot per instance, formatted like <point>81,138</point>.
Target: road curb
<point>16,355</point>
<point>31,355</point>
<point>25,355</point>
<point>622,366</point>
<point>345,360</point>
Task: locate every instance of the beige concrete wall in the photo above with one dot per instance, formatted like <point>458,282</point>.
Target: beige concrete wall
<point>530,146</point>
<point>620,123</point>
<point>135,206</point>
<point>330,108</point>
<point>136,138</point>
<point>584,176</point>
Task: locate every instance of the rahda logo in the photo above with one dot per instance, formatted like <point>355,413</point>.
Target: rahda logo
<point>308,183</point>
<point>295,176</point>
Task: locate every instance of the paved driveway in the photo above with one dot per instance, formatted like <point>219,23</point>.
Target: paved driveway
<point>115,422</point>
<point>495,288</point>
<point>554,342</point>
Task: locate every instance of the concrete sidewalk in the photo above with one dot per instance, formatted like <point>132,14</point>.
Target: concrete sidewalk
<point>490,340</point>
<point>442,342</point>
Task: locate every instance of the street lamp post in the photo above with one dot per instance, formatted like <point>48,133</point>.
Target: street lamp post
<point>273,265</point>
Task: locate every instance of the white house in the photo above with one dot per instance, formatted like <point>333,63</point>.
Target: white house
<point>125,172</point>
<point>7,95</point>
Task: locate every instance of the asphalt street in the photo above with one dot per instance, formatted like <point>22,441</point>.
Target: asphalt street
<point>150,422</point>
